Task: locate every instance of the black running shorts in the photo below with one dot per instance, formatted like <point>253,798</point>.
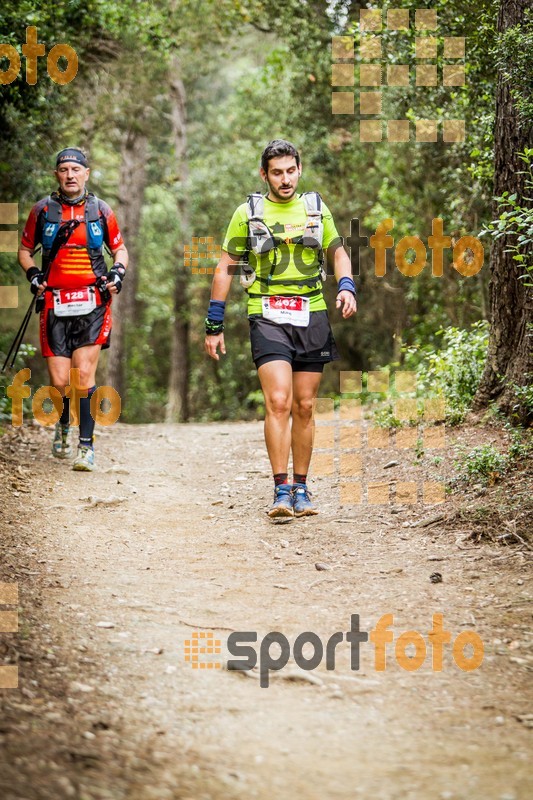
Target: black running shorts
<point>306,349</point>
<point>60,336</point>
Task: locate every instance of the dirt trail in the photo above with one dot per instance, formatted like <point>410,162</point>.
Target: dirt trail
<point>182,544</point>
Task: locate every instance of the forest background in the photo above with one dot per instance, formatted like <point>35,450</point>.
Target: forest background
<point>174,101</point>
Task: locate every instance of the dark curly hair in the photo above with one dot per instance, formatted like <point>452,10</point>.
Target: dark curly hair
<point>277,148</point>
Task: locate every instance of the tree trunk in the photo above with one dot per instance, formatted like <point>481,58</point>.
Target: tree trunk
<point>510,354</point>
<point>177,408</point>
<point>131,188</point>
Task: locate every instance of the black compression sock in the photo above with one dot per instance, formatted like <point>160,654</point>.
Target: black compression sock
<point>64,419</point>
<point>280,477</point>
<point>299,478</point>
<point>86,420</point>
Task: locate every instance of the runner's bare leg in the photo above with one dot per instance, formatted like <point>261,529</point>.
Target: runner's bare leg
<point>58,370</point>
<point>86,360</point>
<point>305,390</point>
<point>276,383</point>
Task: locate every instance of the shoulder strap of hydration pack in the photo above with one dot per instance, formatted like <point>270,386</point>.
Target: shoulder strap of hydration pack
<point>51,223</point>
<point>314,228</point>
<point>93,225</point>
<point>313,234</point>
<point>260,238</point>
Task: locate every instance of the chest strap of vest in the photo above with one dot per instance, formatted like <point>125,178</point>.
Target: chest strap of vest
<point>261,240</point>
<point>299,282</point>
<point>314,293</point>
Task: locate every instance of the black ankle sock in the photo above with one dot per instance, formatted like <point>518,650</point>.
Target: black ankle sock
<point>86,420</point>
<point>300,478</point>
<point>280,477</point>
<point>64,419</point>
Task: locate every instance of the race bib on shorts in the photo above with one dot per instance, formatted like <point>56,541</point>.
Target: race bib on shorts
<point>74,302</point>
<point>289,310</point>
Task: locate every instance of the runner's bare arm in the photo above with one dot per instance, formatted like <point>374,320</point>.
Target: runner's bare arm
<point>224,273</point>
<point>343,269</point>
<point>121,255</point>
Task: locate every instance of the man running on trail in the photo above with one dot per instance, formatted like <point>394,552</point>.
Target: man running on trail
<point>73,288</point>
<point>279,240</point>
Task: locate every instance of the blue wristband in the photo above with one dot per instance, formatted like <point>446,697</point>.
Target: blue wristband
<point>216,310</point>
<point>346,284</point>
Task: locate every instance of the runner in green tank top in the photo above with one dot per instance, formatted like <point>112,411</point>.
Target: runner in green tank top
<point>279,241</point>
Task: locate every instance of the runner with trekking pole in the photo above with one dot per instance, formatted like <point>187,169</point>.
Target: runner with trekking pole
<point>72,290</point>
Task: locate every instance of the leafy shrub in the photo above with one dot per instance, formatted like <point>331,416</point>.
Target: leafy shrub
<point>520,446</point>
<point>384,417</point>
<point>487,463</point>
<point>454,371</point>
<point>25,352</point>
<point>524,395</point>
<point>484,462</point>
<point>516,221</point>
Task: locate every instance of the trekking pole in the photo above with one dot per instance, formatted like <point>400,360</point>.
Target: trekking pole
<point>17,341</point>
<point>62,237</point>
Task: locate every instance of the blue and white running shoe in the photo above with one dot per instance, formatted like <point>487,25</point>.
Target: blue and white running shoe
<point>302,505</point>
<point>282,506</point>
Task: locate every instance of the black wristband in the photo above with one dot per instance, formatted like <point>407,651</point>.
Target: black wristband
<point>213,328</point>
<point>31,272</point>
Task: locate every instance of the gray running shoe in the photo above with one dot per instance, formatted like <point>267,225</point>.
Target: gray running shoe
<point>84,461</point>
<point>60,446</point>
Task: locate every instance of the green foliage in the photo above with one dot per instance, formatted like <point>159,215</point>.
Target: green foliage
<point>26,351</point>
<point>515,221</point>
<point>419,449</point>
<point>484,462</point>
<point>488,464</point>
<point>254,71</point>
<point>34,118</point>
<point>454,371</point>
<point>384,417</point>
<point>524,396</point>
<point>514,56</point>
<point>520,446</point>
